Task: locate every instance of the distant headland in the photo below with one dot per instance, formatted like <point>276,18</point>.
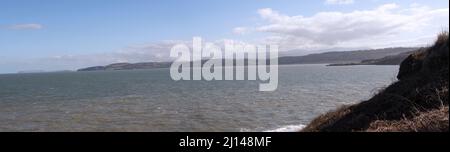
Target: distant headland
<point>386,56</point>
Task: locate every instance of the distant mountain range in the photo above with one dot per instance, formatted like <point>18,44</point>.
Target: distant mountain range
<point>385,56</point>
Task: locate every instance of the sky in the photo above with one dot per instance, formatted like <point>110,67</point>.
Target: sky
<point>69,34</point>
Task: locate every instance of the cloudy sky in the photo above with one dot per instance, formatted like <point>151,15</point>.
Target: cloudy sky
<point>70,34</point>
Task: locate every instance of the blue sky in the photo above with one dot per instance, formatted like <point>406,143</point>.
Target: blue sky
<point>59,34</point>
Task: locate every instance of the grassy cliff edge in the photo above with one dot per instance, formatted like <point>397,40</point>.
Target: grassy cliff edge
<point>418,102</point>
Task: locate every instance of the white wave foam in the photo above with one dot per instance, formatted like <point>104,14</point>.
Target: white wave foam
<point>288,128</point>
<point>245,130</point>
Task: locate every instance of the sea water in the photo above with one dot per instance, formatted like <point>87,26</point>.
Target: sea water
<point>149,100</point>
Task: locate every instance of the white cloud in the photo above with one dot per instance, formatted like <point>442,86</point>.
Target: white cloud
<point>340,2</point>
<point>241,30</point>
<point>31,26</point>
<point>382,25</point>
<point>150,52</point>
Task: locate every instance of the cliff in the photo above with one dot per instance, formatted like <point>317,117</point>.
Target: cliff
<point>418,101</point>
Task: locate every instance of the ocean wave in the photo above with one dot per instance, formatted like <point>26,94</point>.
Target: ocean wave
<point>288,128</point>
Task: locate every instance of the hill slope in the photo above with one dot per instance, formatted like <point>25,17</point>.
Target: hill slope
<point>417,102</point>
<point>344,56</point>
<point>388,60</point>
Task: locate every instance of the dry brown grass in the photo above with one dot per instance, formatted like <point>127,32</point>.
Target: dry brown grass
<point>442,38</point>
<point>431,121</point>
<point>327,119</point>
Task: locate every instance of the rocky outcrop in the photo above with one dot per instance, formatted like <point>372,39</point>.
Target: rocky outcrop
<point>420,97</point>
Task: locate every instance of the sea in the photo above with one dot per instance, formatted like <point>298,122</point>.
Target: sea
<point>150,101</point>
